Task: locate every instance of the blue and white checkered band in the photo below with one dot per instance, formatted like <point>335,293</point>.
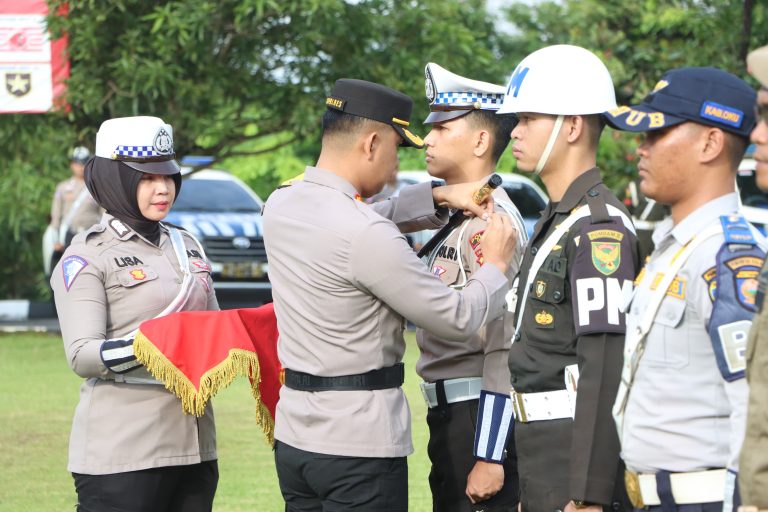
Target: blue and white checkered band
<point>468,98</point>
<point>136,152</point>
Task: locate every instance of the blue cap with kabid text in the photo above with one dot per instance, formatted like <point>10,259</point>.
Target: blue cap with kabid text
<point>707,96</point>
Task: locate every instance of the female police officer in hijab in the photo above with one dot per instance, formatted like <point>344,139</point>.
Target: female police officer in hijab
<point>132,448</point>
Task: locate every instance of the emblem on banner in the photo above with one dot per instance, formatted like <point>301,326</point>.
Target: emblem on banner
<point>18,84</point>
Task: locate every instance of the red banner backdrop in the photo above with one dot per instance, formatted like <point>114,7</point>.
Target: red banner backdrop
<point>33,69</point>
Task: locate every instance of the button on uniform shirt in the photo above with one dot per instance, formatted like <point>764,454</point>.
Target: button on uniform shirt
<point>753,474</point>
<point>109,281</point>
<point>88,211</point>
<point>681,414</point>
<point>485,353</point>
<point>344,279</point>
<point>558,331</point>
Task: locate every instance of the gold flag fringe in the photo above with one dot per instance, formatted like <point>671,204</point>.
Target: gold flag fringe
<point>239,362</point>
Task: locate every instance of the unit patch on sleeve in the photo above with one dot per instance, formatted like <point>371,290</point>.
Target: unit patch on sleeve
<point>602,278</point>
<point>71,268</point>
<point>746,270</point>
<point>709,278</point>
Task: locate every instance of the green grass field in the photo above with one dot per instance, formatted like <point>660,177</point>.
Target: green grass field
<point>39,393</point>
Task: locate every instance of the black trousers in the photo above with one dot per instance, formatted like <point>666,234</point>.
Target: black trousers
<point>543,449</point>
<point>315,482</point>
<point>450,449</point>
<point>168,489</point>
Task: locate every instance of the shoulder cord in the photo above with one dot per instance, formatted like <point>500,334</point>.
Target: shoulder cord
<point>635,344</point>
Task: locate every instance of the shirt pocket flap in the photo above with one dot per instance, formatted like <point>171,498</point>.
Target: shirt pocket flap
<point>671,312</point>
<point>135,276</point>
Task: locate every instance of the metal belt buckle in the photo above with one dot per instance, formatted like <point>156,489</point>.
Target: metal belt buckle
<point>517,404</point>
<point>632,483</point>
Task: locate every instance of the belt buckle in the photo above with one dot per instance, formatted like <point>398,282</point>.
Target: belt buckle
<point>517,404</point>
<point>632,484</point>
<point>425,395</point>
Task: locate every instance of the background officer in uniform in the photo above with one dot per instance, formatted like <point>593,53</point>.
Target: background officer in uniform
<point>132,447</point>
<point>467,383</point>
<point>683,395</point>
<point>344,281</point>
<point>73,209</point>
<point>565,360</point>
<point>753,477</point>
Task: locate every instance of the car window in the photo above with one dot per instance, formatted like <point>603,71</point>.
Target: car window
<point>750,194</point>
<point>525,198</point>
<point>214,196</point>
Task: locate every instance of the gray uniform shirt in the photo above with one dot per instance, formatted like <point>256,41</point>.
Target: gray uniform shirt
<point>88,211</point>
<point>681,414</point>
<point>485,353</point>
<point>343,280</point>
<point>126,280</point>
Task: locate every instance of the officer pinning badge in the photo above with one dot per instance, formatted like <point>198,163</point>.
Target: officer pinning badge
<point>138,274</point>
<point>544,319</point>
<point>71,267</point>
<point>118,227</point>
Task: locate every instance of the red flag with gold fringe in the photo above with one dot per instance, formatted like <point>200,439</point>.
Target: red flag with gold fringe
<point>198,353</point>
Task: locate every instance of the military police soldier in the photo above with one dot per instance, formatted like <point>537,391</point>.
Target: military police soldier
<point>467,384</point>
<point>344,281</point>
<point>132,447</point>
<point>73,209</point>
<point>753,474</point>
<point>565,360</point>
<point>682,402</point>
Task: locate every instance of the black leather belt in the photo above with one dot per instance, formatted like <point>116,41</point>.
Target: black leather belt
<point>383,378</point>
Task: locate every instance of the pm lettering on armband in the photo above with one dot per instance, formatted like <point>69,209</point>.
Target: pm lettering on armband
<point>732,349</point>
<point>599,303</point>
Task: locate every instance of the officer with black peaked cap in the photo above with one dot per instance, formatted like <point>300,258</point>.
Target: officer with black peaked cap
<point>344,281</point>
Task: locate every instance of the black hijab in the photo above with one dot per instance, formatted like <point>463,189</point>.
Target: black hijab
<point>113,185</point>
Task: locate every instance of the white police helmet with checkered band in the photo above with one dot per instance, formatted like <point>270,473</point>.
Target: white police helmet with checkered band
<point>560,80</point>
<point>142,142</point>
<point>451,95</point>
<point>757,65</point>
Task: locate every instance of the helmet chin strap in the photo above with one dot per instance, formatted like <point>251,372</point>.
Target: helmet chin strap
<point>550,144</point>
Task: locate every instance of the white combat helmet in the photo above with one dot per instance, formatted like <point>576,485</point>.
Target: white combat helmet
<point>560,80</point>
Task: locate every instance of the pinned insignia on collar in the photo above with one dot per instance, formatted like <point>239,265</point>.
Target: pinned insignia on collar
<point>163,142</point>
<point>119,228</point>
<point>606,257</point>
<point>71,268</point>
<point>138,274</point>
<point>358,197</point>
<point>544,317</point>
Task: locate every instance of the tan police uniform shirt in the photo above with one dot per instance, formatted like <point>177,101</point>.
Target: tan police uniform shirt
<point>753,464</point>
<point>344,279</point>
<point>681,414</point>
<point>122,281</point>
<point>88,211</point>
<point>485,353</point>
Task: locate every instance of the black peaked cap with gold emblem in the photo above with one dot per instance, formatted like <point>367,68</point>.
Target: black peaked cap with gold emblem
<point>376,102</point>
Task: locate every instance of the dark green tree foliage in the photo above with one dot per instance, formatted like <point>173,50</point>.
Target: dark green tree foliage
<point>235,78</point>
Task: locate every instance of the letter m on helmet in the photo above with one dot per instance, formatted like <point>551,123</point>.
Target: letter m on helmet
<point>516,81</point>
